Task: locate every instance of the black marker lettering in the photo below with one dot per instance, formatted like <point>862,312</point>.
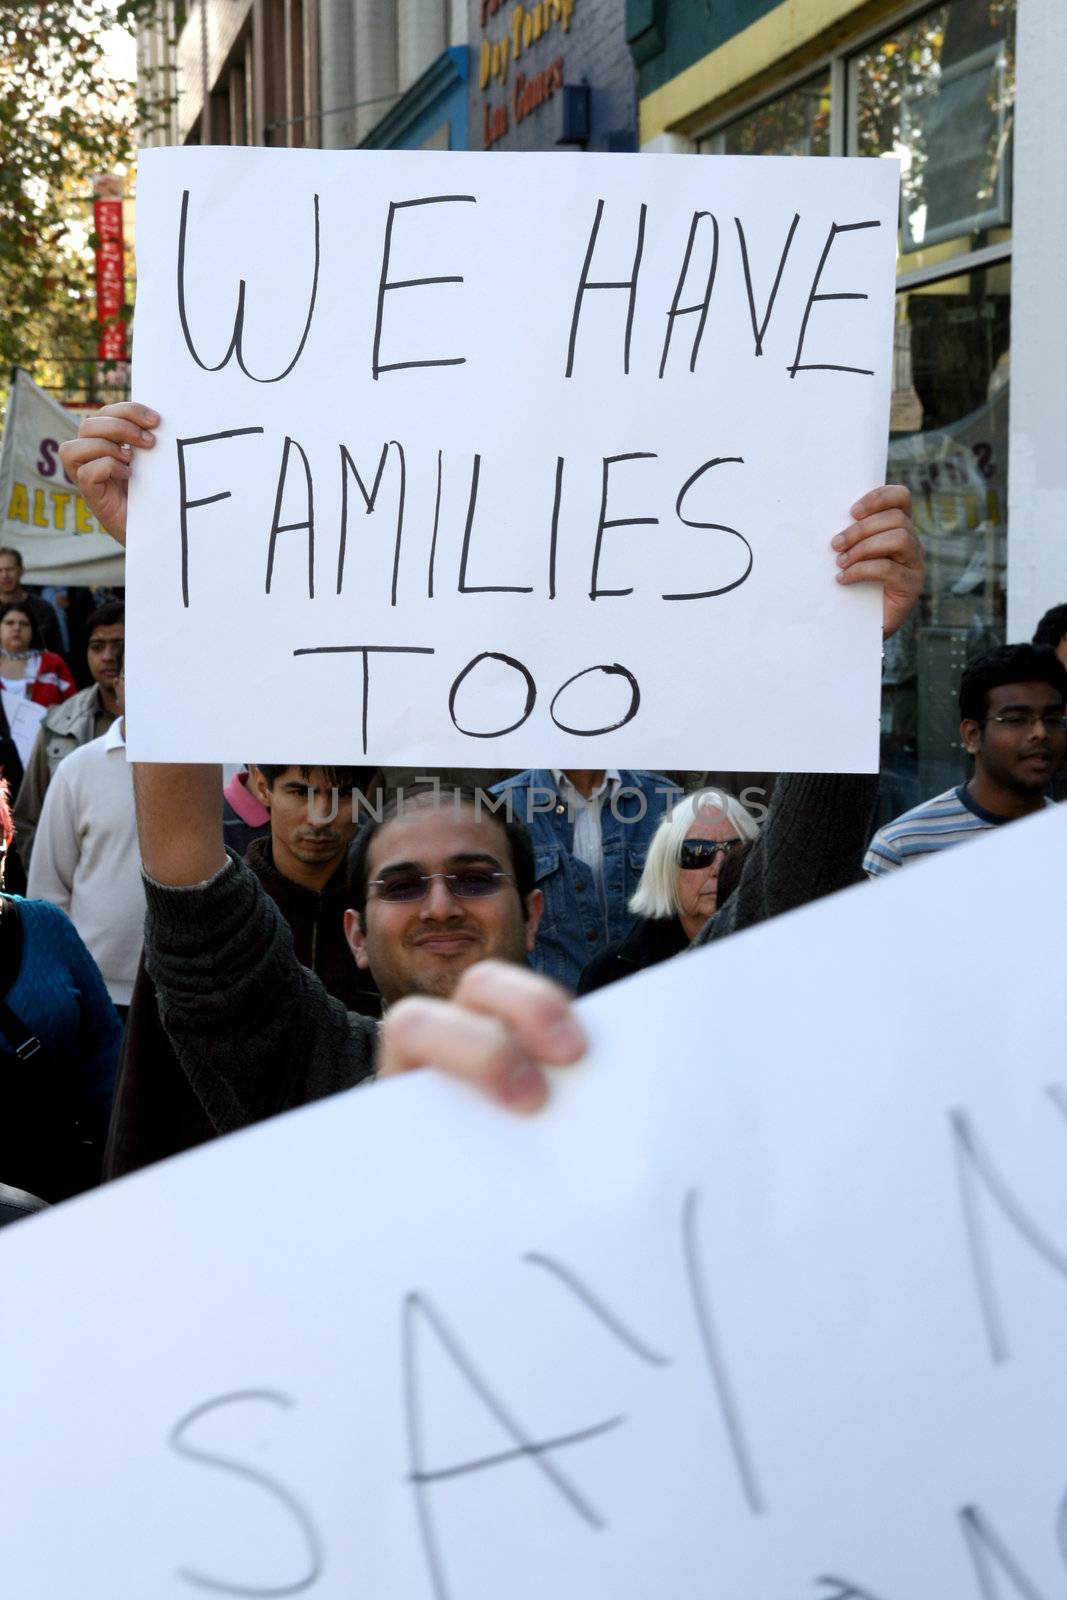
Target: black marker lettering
<point>508,661</point>
<point>973,1163</point>
<point>379,366</point>
<point>185,505</point>
<point>604,522</point>
<point>630,283</point>
<point>366,651</point>
<point>418,1311</point>
<point>236,345</point>
<point>308,523</point>
<point>436,525</point>
<point>612,671</point>
<point>713,1355</point>
<point>759,329</point>
<point>399,448</point>
<point>719,527</point>
<point>347,466</point>
<point>701,306</point>
<point>277,1492</point>
<point>986,1548</point>
<point>599,1308</point>
<point>479,588</point>
<point>553,539</point>
<point>843,1589</point>
<point>824,366</point>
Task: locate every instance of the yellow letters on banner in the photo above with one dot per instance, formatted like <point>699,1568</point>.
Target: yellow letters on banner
<point>18,509</point>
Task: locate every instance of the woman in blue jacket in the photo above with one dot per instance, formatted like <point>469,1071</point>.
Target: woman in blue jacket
<point>59,1042</point>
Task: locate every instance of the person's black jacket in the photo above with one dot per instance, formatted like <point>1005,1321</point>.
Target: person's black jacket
<point>155,1112</point>
<point>648,942</point>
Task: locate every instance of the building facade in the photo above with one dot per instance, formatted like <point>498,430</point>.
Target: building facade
<point>965,93</point>
<point>948,89</point>
<point>330,74</point>
<point>230,72</point>
<point>551,74</point>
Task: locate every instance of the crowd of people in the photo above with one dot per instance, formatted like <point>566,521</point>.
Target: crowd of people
<point>264,937</point>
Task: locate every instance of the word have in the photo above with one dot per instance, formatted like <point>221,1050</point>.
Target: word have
<point>704,231</point>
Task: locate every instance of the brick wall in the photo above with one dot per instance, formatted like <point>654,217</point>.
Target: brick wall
<point>520,109</point>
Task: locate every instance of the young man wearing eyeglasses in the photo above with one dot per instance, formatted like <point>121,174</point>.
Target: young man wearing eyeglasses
<point>1012,703</point>
<point>436,886</point>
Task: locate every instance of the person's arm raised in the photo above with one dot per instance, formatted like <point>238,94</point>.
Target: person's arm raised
<point>179,822</point>
<point>179,808</point>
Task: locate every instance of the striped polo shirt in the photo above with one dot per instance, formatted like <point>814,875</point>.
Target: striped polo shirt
<point>935,825</point>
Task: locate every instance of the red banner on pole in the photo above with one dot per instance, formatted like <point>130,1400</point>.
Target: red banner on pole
<point>110,268</point>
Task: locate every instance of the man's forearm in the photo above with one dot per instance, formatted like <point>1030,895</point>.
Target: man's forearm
<point>179,821</point>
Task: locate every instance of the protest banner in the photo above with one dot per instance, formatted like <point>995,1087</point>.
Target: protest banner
<point>510,461</point>
<point>43,515</point>
<point>770,1301</point>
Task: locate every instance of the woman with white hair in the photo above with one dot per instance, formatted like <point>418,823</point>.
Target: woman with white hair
<point>681,886</point>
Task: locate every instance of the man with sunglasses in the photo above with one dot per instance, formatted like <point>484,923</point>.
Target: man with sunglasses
<point>1012,703</point>
<point>436,886</point>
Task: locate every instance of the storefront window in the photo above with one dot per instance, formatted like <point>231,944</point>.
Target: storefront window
<point>938,94</point>
<point>796,123</point>
<point>950,446</point>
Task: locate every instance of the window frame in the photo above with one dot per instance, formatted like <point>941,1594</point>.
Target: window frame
<point>843,130</point>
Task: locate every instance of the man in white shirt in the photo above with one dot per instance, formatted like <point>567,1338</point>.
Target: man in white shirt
<point>86,859</point>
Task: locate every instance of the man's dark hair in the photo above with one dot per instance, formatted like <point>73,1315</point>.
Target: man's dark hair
<point>105,616</point>
<point>520,844</point>
<point>1008,663</point>
<point>336,777</point>
<point>9,550</point>
<point>1052,629</point>
<point>22,607</point>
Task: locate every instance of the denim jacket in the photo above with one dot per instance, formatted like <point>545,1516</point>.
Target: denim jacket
<point>572,927</point>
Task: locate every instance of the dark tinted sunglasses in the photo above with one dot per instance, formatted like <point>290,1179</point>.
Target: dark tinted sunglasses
<point>466,883</point>
<point>702,852</point>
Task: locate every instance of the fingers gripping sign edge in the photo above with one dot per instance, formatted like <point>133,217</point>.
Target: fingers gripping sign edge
<point>502,1027</point>
<point>99,460</point>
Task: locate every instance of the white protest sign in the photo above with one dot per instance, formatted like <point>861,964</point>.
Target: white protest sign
<point>41,512</point>
<point>508,459</point>
<point>772,1301</point>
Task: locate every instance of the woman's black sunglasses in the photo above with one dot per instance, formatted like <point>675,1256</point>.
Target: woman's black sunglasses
<point>702,852</point>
